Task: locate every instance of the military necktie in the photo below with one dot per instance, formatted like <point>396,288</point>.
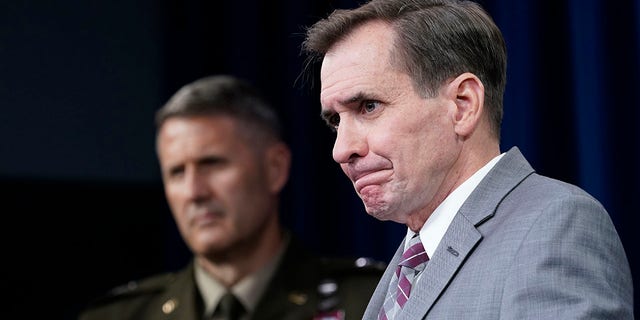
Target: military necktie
<point>413,261</point>
<point>229,307</point>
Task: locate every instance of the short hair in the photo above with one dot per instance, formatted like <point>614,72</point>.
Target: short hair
<point>435,40</point>
<point>224,95</point>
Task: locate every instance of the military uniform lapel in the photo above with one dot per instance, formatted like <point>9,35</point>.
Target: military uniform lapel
<point>180,300</point>
<point>291,293</point>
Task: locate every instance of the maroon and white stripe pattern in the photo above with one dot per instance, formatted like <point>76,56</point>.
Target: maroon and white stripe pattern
<point>413,260</point>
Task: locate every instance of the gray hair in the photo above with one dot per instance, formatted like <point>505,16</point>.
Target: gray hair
<point>435,40</point>
<point>224,95</point>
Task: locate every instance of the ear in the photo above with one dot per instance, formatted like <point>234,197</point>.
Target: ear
<point>278,160</point>
<point>467,92</point>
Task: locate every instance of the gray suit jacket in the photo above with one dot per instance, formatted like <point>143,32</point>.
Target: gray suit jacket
<point>523,246</point>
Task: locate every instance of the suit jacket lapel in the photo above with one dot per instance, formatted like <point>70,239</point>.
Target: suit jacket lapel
<point>377,299</point>
<point>457,244</point>
<point>462,236</point>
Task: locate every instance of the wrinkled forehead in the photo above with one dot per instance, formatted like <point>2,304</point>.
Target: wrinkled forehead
<point>362,56</point>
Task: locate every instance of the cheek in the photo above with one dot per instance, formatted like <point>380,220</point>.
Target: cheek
<point>415,144</point>
<point>174,196</point>
<point>399,139</point>
<point>243,190</point>
<point>236,183</point>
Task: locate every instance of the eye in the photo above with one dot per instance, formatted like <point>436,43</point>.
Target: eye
<point>212,162</point>
<point>333,121</point>
<point>174,173</point>
<point>369,106</point>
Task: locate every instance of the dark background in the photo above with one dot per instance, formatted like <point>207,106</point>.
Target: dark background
<point>80,81</point>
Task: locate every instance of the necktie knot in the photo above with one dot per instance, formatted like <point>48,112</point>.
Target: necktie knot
<point>415,255</point>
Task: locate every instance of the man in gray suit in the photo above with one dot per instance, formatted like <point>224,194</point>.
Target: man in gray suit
<point>413,89</point>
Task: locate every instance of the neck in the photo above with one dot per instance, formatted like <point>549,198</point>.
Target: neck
<point>467,164</point>
<point>246,257</point>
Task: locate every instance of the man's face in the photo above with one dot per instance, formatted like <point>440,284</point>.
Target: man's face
<point>396,146</point>
<point>215,183</point>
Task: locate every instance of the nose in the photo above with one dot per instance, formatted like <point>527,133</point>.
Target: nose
<point>195,186</point>
<point>350,142</point>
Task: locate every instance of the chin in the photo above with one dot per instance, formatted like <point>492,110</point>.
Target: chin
<point>209,243</point>
<point>379,212</point>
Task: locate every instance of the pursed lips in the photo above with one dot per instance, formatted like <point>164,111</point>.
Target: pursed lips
<point>367,177</point>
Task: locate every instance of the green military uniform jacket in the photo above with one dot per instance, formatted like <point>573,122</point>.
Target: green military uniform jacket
<point>292,293</point>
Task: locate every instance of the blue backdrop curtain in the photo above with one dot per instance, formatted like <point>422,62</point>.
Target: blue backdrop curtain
<point>80,82</point>
<point>570,105</point>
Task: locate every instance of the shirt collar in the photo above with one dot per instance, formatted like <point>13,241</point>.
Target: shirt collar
<point>248,290</point>
<point>437,224</point>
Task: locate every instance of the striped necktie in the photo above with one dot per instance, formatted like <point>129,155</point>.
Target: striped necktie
<point>413,261</point>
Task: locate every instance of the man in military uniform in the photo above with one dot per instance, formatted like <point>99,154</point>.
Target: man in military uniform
<point>224,164</point>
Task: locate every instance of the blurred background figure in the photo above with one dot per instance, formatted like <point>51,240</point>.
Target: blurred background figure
<point>224,165</point>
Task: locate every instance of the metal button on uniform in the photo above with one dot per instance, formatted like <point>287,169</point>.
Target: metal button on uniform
<point>169,306</point>
<point>298,298</point>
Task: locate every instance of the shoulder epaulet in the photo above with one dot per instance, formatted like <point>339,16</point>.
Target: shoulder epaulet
<point>150,285</point>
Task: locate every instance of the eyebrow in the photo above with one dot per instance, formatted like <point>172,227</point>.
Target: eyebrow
<point>358,97</point>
